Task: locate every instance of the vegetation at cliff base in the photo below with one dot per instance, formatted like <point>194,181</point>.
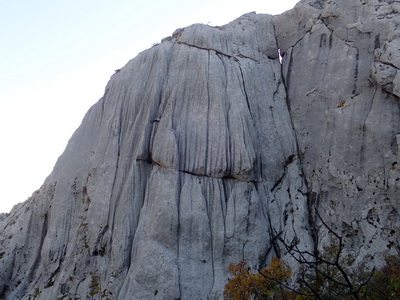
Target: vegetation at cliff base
<point>329,274</point>
<point>271,282</point>
<point>264,283</point>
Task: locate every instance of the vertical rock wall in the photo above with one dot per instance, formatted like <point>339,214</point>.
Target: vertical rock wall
<point>204,147</point>
<point>340,72</point>
<point>187,163</point>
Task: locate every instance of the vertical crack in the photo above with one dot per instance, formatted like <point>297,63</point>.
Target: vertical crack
<point>356,72</point>
<point>245,91</point>
<point>112,206</point>
<point>178,227</point>
<point>364,129</point>
<point>208,166</point>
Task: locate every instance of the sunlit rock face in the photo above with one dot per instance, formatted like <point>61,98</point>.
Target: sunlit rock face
<point>204,148</point>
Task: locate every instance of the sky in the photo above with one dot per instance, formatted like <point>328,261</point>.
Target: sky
<point>56,58</point>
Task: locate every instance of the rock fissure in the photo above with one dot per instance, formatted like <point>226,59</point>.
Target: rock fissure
<point>278,183</point>
<point>390,64</point>
<point>218,52</point>
<point>245,91</point>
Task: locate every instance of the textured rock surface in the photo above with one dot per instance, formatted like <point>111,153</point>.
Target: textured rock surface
<point>342,83</point>
<point>205,145</point>
<point>180,169</point>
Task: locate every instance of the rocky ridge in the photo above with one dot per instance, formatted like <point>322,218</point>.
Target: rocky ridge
<point>205,146</point>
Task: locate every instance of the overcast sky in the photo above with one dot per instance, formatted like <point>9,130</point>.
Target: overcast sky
<point>56,58</point>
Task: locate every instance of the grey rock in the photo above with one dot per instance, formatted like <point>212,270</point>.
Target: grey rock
<point>180,169</point>
<point>3,216</point>
<point>347,123</point>
<point>205,147</point>
<point>385,70</point>
<point>291,26</point>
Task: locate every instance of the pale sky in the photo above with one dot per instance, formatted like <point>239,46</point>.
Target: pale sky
<point>56,58</point>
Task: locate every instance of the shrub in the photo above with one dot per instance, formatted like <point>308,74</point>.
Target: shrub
<point>385,283</point>
<point>263,283</point>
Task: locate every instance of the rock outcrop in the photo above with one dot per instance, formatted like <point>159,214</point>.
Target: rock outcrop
<point>342,85</point>
<point>205,146</point>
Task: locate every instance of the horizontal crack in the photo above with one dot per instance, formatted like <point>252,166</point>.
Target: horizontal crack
<point>387,64</point>
<point>236,58</point>
<point>228,176</point>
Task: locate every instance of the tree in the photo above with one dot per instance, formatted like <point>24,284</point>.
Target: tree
<point>324,275</point>
<point>327,275</point>
<point>385,284</point>
<point>265,282</point>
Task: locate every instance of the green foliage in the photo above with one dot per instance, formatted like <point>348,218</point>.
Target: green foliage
<point>385,284</point>
<point>94,287</point>
<point>329,275</point>
<point>36,293</point>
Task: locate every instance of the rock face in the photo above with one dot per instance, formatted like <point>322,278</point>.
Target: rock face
<point>205,146</point>
<point>342,84</point>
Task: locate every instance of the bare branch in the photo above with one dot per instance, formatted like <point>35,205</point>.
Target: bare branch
<point>314,261</point>
<point>366,281</point>
<point>284,284</point>
<point>326,225</point>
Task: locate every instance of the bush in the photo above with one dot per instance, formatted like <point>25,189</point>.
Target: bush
<point>271,283</point>
<point>265,282</point>
<point>385,283</point>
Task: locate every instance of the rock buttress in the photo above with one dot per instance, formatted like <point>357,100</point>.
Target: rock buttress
<point>188,163</point>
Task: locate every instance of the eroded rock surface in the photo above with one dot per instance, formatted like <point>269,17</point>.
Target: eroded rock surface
<point>205,146</point>
<point>342,85</point>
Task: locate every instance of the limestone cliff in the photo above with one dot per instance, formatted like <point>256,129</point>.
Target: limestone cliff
<point>204,146</point>
<point>341,78</point>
